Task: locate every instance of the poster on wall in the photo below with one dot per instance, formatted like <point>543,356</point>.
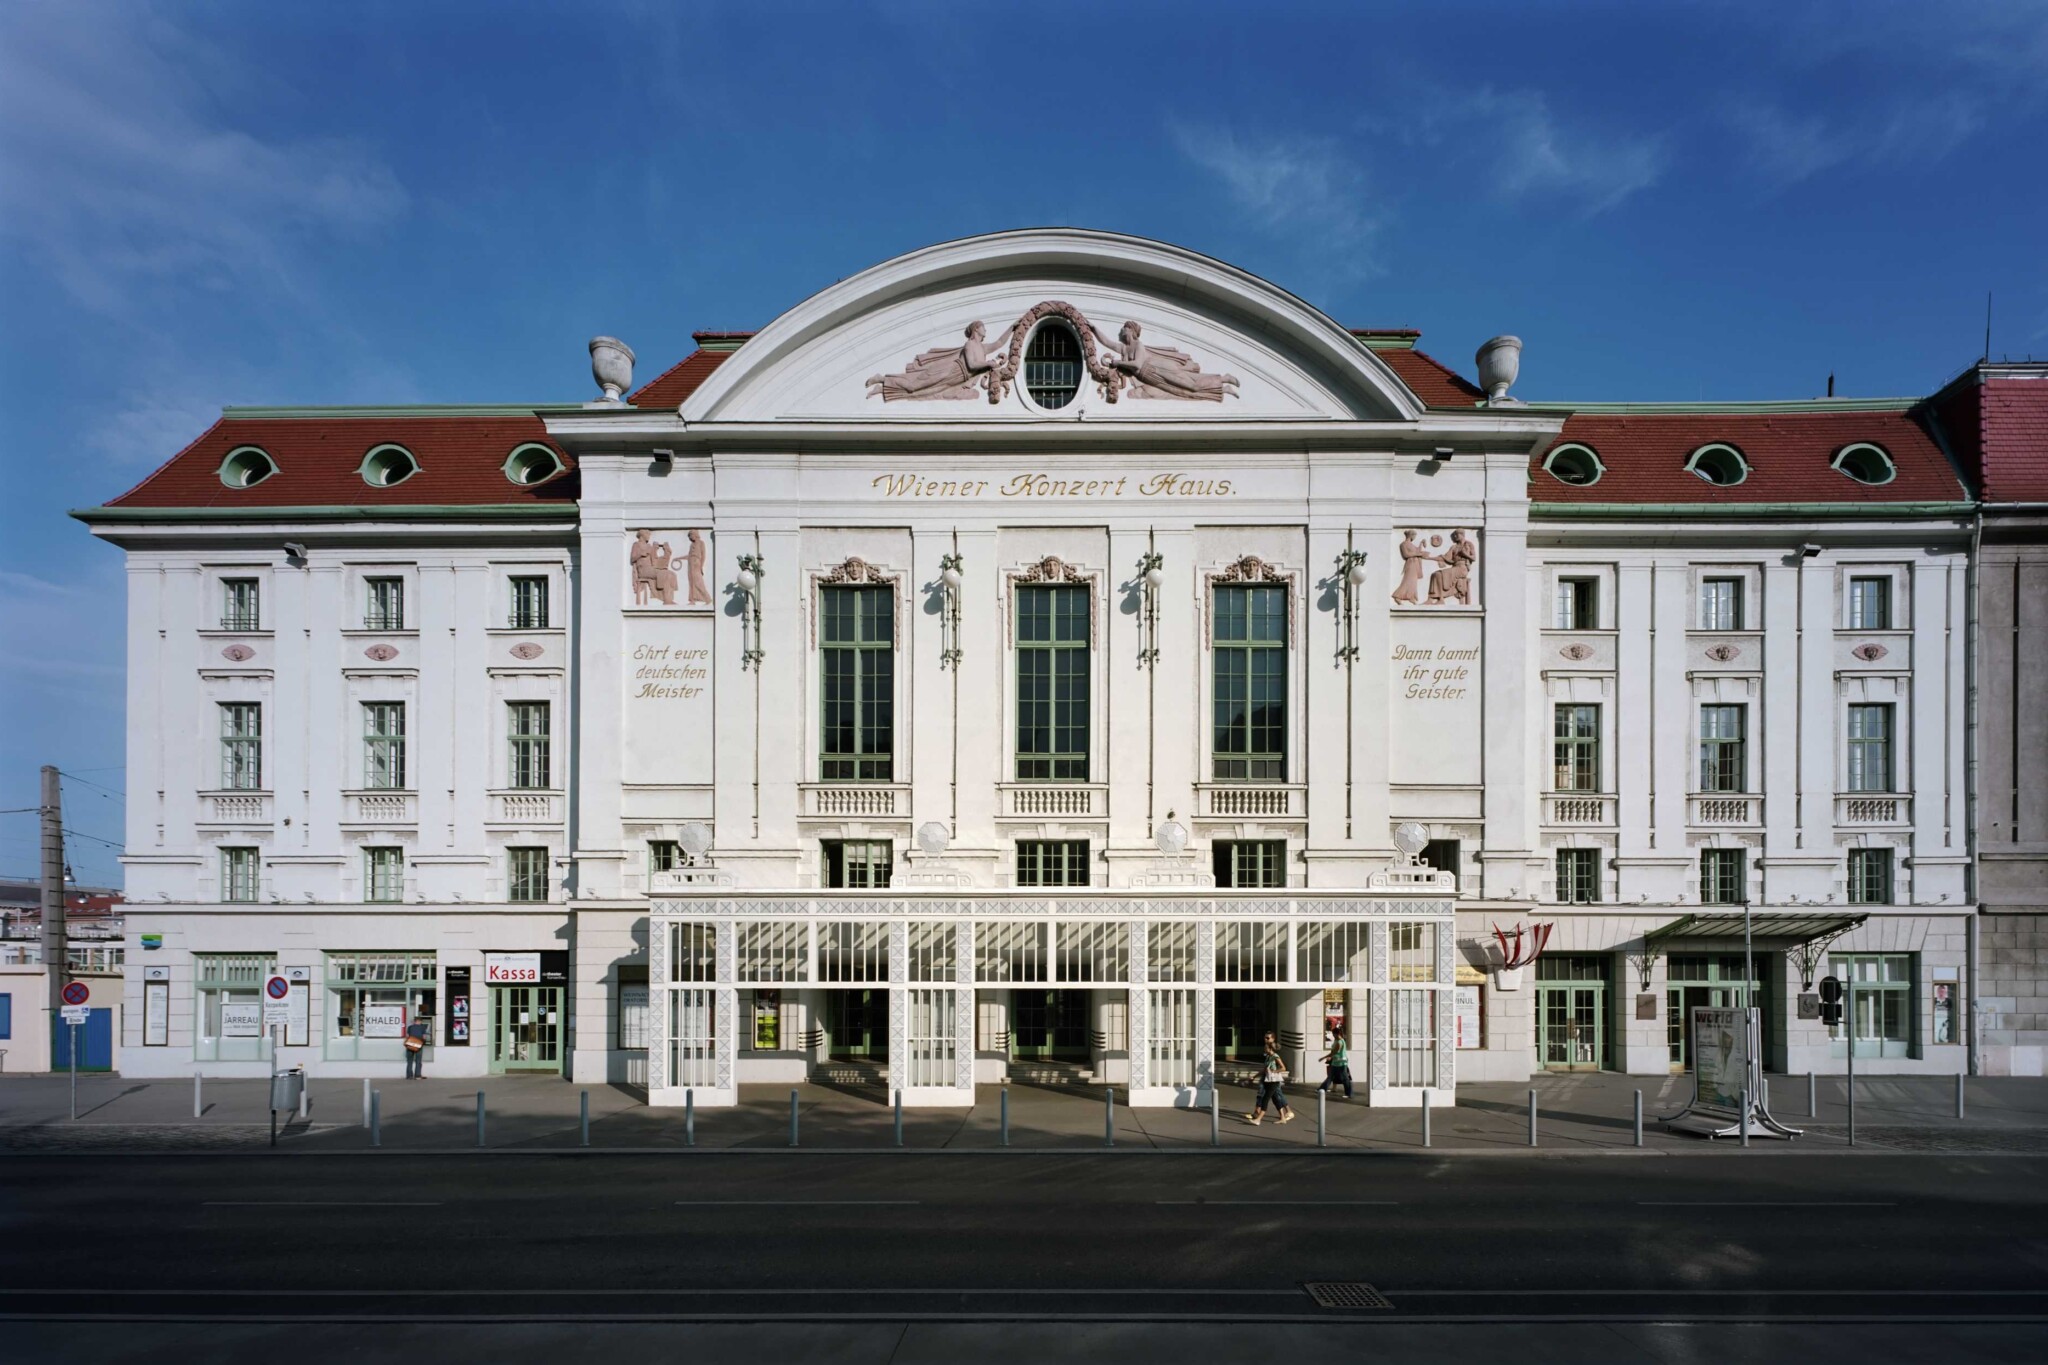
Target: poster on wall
<point>458,1007</point>
<point>381,1021</point>
<point>1466,1004</point>
<point>241,1021</point>
<point>156,1013</point>
<point>1720,1059</point>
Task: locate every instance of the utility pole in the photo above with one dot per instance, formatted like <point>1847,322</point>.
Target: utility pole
<point>54,955</point>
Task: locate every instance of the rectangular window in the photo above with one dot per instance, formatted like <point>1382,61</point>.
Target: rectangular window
<point>238,872</point>
<point>384,745</point>
<point>527,733</point>
<point>1247,863</point>
<point>1052,684</point>
<point>1052,862</point>
<point>241,746</point>
<point>384,874</point>
<point>1443,855</point>
<point>1882,1009</point>
<point>1870,747</point>
<point>1723,879</point>
<point>526,874</point>
<point>1411,947</point>
<point>1577,748</point>
<point>664,855</point>
<point>371,997</point>
<point>858,863</point>
<point>1870,604</point>
<point>6,1015</point>
<point>227,991</point>
<point>857,672</point>
<point>529,603</point>
<point>1724,751</point>
<point>1249,647</point>
<point>1870,876</point>
<point>1578,876</point>
<point>240,604</point>
<point>1720,604</point>
<point>385,607</point>
<point>1578,604</point>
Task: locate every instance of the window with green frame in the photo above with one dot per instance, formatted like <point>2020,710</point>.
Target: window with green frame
<point>1723,878</point>
<point>1576,747</point>
<point>1052,683</point>
<point>1245,863</point>
<point>227,991</point>
<point>858,864</point>
<point>1870,604</point>
<point>1870,747</point>
<point>529,602</point>
<point>240,871</point>
<point>1724,748</point>
<point>526,735</point>
<point>384,607</point>
<point>384,873</point>
<point>1881,1006</point>
<point>241,746</point>
<point>240,604</point>
<point>664,855</point>
<point>384,745</point>
<point>857,673</point>
<point>526,874</point>
<point>1052,862</point>
<point>371,997</point>
<point>1870,876</point>
<point>1248,647</point>
<point>1578,876</point>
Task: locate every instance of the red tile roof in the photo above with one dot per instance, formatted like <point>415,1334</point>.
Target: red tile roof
<point>1788,453</point>
<point>2015,439</point>
<point>669,388</point>
<point>1435,383</point>
<point>461,460</point>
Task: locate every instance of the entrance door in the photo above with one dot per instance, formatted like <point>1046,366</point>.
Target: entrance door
<point>1570,1027</point>
<point>1049,1024</point>
<point>859,1022</point>
<point>1243,1019</point>
<point>1713,981</point>
<point>526,1028</point>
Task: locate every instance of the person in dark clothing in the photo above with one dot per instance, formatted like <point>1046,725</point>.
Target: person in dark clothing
<point>417,1034</point>
<point>1272,1077</point>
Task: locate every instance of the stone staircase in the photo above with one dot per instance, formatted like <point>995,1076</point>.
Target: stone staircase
<point>1050,1073</point>
<point>852,1074</point>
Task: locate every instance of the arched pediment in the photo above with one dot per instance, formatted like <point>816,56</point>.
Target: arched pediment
<point>1146,331</point>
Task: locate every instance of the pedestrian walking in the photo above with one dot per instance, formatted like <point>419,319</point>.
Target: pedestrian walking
<point>1272,1077</point>
<point>416,1035</point>
<point>1338,1061</point>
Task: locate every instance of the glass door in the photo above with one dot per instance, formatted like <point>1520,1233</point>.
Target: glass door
<point>1711,981</point>
<point>1243,1018</point>
<point>1049,1024</point>
<point>526,1028</point>
<point>859,1021</point>
<point>1571,1027</point>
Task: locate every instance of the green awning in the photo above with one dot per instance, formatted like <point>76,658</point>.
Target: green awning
<point>1779,928</point>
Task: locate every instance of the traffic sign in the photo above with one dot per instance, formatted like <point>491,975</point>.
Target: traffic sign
<point>77,993</point>
<point>76,1014</point>
<point>277,988</point>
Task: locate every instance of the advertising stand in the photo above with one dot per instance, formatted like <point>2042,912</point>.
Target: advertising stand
<point>1727,1051</point>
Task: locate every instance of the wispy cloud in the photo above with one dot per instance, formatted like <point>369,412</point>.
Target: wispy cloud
<point>129,173</point>
<point>1291,185</point>
<point>1788,147</point>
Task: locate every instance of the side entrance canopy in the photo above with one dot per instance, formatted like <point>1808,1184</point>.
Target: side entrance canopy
<point>1805,934</point>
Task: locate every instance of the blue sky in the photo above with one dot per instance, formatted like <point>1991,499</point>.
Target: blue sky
<point>203,204</point>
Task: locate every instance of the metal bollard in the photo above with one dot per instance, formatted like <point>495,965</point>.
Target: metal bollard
<point>479,1118</point>
<point>1425,1118</point>
<point>690,1118</point>
<point>899,1118</point>
<point>1215,1116</point>
<point>1005,1108</point>
<point>1322,1118</point>
<point>376,1118</point>
<point>1532,1118</point>
<point>1812,1097</point>
<point>1852,1098</point>
<point>366,1101</point>
<point>792,1118</point>
<point>1959,1094</point>
<point>583,1104</point>
<point>1109,1118</point>
<point>1639,1118</point>
<point>305,1099</point>
<point>1745,1116</point>
<point>198,1105</point>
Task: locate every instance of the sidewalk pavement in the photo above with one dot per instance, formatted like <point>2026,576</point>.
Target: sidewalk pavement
<point>1578,1114</point>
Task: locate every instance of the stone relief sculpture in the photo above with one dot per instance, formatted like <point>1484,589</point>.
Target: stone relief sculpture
<point>1450,583</point>
<point>947,371</point>
<point>1126,365</point>
<point>653,564</point>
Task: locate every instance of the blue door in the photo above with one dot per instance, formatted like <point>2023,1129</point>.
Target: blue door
<point>95,1043</point>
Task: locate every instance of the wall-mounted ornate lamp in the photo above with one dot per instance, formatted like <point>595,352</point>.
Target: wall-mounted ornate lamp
<point>1151,574</point>
<point>1350,577</point>
<point>748,581</point>
<point>949,609</point>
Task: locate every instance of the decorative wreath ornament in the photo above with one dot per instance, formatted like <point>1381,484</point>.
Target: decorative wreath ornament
<point>998,381</point>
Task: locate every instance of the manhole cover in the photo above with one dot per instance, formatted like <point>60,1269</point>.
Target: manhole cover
<point>1351,1294</point>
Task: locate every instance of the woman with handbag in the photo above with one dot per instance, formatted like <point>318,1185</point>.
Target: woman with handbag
<point>1272,1077</point>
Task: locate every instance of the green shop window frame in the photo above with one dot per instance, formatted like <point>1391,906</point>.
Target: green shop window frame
<point>1884,1007</point>
<point>228,979</point>
<point>1248,647</point>
<point>410,979</point>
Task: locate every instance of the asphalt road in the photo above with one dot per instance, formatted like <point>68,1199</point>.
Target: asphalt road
<point>893,1257</point>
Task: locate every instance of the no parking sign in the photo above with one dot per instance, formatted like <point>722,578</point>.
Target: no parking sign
<point>277,1005</point>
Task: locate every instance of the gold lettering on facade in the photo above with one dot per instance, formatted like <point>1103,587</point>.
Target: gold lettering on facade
<point>666,673</point>
<point>1435,673</point>
<point>1040,485</point>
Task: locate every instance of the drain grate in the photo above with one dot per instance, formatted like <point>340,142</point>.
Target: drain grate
<point>1346,1294</point>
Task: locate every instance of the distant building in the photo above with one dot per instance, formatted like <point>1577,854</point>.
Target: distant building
<point>93,920</point>
<point>1057,653</point>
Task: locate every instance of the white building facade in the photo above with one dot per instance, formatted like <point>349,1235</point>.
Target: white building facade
<point>1050,654</point>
